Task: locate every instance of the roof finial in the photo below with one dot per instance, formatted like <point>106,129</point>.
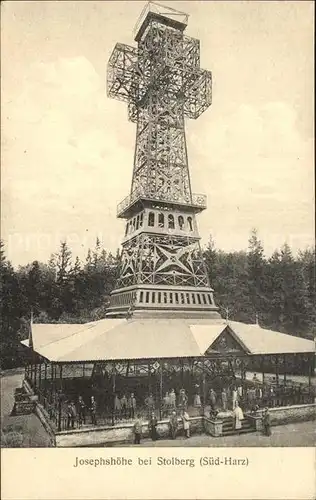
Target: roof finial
<point>227,314</point>
<point>257,319</point>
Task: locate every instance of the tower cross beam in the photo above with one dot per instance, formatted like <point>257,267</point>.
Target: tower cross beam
<point>162,266</point>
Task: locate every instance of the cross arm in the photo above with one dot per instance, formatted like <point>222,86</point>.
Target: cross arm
<point>198,95</point>
<point>122,73</point>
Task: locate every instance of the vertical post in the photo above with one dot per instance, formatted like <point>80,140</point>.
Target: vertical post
<point>160,389</point>
<point>35,375</point>
<point>61,377</point>
<point>262,369</point>
<point>113,391</point>
<point>204,392</point>
<point>310,370</point>
<point>40,374</point>
<point>149,379</point>
<point>284,365</point>
<point>277,370</point>
<point>182,374</point>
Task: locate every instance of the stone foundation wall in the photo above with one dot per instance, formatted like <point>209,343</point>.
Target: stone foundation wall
<point>104,436</point>
<point>291,414</point>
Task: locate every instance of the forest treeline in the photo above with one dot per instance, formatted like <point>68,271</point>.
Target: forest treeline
<point>279,290</point>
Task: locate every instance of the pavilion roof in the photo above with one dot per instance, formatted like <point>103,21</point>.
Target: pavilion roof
<point>119,339</point>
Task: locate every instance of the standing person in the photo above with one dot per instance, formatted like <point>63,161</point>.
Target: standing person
<point>197,397</point>
<point>152,425</point>
<point>224,399</point>
<point>173,425</point>
<point>117,406</point>
<point>213,399</point>
<point>166,404</point>
<point>238,417</point>
<point>124,406</point>
<point>234,397</point>
<point>133,405</point>
<point>81,411</point>
<point>183,399</point>
<point>266,422</point>
<point>93,411</point>
<point>71,415</point>
<point>172,398</point>
<point>150,403</point>
<point>186,423</point>
<point>137,430</point>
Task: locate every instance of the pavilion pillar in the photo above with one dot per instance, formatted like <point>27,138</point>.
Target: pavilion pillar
<point>262,369</point>
<point>113,392</point>
<point>60,396</point>
<point>160,389</point>
<point>277,370</point>
<point>310,371</point>
<point>149,379</point>
<point>284,365</point>
<point>35,375</point>
<point>204,392</point>
<point>40,376</point>
<point>182,373</point>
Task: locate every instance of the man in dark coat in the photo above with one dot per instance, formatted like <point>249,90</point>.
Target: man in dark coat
<point>152,425</point>
<point>266,422</point>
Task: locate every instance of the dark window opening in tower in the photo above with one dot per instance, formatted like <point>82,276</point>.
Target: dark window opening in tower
<point>170,221</point>
<point>190,223</point>
<point>134,224</point>
<point>181,222</point>
<point>130,226</point>
<point>161,220</point>
<point>151,219</point>
<point>137,222</point>
<point>141,219</point>
<point>126,229</point>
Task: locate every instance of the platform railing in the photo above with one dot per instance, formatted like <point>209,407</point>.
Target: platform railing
<point>197,200</point>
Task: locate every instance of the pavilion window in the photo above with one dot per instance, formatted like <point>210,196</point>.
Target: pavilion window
<point>165,297</point>
<point>193,298</point>
<point>159,297</point>
<point>130,226</point>
<point>134,223</point>
<point>199,298</point>
<point>126,229</point>
<point>204,298</point>
<point>153,297</point>
<point>182,298</point>
<point>161,220</point>
<point>170,221</point>
<point>177,298</point>
<point>171,297</point>
<point>151,219</point>
<point>137,222</point>
<point>141,218</point>
<point>188,298</point>
<point>181,222</point>
<point>147,297</point>
<point>190,223</point>
<point>209,298</point>
<point>141,297</point>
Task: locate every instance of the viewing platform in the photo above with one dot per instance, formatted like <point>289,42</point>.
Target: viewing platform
<point>132,202</point>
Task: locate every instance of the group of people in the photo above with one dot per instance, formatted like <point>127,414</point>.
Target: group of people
<point>77,412</point>
<point>125,406</point>
<point>153,423</point>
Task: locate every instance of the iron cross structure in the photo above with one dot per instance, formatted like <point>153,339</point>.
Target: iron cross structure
<point>162,268</point>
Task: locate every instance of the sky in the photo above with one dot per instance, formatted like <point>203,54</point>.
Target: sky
<point>67,150</point>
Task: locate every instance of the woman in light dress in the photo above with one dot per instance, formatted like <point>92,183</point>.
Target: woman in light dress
<point>238,416</point>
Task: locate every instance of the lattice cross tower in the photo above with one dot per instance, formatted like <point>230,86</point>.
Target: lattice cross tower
<point>162,269</point>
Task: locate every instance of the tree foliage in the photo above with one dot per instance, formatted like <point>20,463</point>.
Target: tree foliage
<point>279,290</point>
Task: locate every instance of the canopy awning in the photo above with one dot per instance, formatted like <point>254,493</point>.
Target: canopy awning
<point>121,339</point>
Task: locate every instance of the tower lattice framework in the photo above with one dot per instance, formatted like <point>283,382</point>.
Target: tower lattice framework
<point>162,269</point>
